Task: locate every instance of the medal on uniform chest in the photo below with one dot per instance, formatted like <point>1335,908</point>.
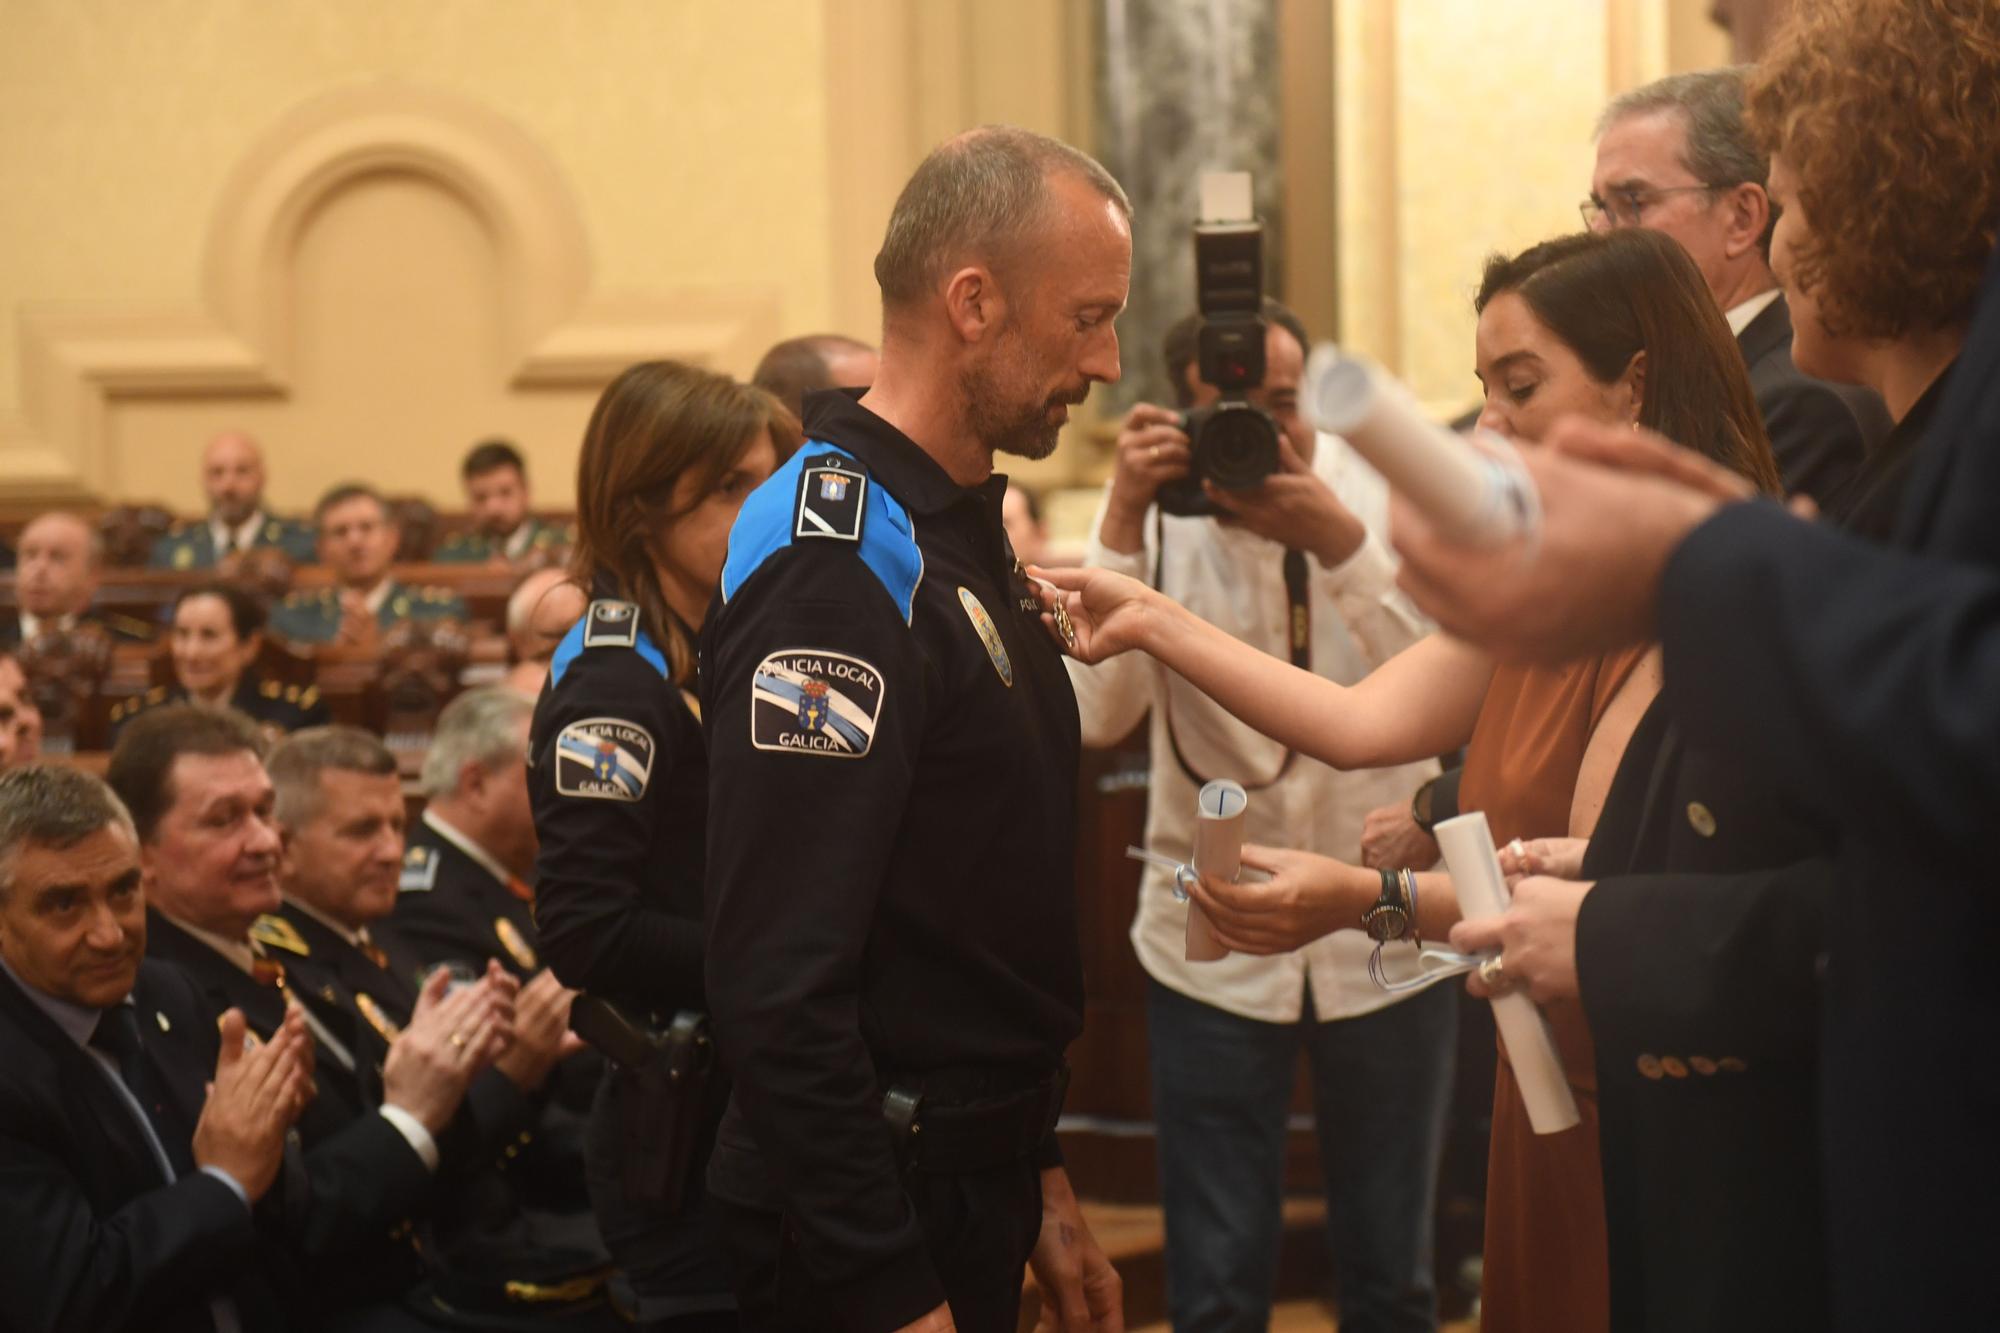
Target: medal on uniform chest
<point>1059,613</point>
<point>381,1022</point>
<point>513,942</point>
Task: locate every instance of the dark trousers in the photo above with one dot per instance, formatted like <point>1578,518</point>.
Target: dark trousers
<point>980,1229</point>
<point>1222,1087</point>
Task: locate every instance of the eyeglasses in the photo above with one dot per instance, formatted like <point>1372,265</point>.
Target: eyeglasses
<point>1628,206</point>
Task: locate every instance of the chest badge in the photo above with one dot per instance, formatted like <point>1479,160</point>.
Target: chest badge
<point>989,635</point>
<point>384,1025</point>
<point>514,943</point>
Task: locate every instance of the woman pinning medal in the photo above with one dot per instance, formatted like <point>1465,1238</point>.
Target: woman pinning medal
<point>619,784</point>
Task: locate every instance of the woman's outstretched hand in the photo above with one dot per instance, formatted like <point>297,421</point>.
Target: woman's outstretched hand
<point>1106,610</point>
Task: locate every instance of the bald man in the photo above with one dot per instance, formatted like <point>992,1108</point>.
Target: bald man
<point>232,476</point>
<point>55,580</point>
<point>799,366</point>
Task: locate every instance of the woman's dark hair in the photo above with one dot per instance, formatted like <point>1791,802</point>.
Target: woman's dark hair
<point>246,613</point>
<point>1611,295</point>
<point>656,423</point>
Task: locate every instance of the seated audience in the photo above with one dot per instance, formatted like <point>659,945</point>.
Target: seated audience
<point>466,888</point>
<point>209,847</point>
<point>357,541</point>
<point>799,366</point>
<point>1616,327</point>
<point>1676,156</point>
<point>14,705</point>
<point>215,640</point>
<point>540,611</point>
<point>136,1135</point>
<point>60,560</point>
<point>496,494</point>
<point>232,476</point>
<point>340,813</point>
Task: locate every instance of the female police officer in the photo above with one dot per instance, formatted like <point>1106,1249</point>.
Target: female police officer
<point>619,783</point>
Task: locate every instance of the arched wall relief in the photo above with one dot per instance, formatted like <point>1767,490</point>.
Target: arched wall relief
<point>116,400</point>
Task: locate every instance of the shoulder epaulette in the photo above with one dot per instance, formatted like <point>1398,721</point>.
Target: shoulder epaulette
<point>271,689</point>
<point>275,932</point>
<point>824,494</point>
<point>309,696</point>
<point>420,869</point>
<point>611,624</point>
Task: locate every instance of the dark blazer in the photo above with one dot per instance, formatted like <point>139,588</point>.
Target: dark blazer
<point>368,1187</point>
<point>1866,683</point>
<point>451,908</point>
<point>95,1240</point>
<point>1819,431</point>
<point>122,628</point>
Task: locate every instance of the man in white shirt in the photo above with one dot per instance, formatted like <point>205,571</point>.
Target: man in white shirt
<point>1225,1036</point>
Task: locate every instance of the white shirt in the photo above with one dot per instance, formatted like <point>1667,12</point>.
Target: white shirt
<point>517,541</point>
<point>1235,580</point>
<point>239,538</point>
<point>32,625</point>
<point>1741,314</point>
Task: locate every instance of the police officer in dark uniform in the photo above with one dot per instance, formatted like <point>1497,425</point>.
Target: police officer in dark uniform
<point>893,963</point>
<point>216,637</point>
<point>618,780</point>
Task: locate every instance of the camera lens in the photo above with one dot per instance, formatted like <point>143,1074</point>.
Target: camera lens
<point>1239,448</point>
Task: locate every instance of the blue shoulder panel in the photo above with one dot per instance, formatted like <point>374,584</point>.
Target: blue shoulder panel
<point>571,648</point>
<point>766,524</point>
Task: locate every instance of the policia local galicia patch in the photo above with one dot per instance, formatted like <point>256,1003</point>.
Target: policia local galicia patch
<point>811,701</point>
<point>606,758</point>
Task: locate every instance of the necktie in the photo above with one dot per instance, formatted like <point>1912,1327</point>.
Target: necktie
<point>373,953</point>
<point>519,888</point>
<point>117,1035</point>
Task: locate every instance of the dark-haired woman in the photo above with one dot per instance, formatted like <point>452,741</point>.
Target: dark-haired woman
<point>217,635</point>
<point>619,783</point>
<point>1619,328</point>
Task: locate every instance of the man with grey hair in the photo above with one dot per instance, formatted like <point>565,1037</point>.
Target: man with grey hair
<point>1677,156</point>
<point>892,757</point>
<point>465,892</point>
<point>799,366</point>
<point>130,1187</point>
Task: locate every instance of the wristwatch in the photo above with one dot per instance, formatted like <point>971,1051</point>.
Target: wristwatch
<point>1420,807</point>
<point>1389,918</point>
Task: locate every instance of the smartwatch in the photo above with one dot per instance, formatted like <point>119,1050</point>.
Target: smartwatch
<point>1389,918</point>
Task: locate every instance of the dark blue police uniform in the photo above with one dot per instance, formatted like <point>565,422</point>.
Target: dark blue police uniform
<point>892,941</point>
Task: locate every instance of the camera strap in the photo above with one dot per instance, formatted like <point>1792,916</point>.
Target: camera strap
<point>1298,631</point>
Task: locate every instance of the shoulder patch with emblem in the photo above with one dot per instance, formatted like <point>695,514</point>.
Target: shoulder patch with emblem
<point>420,870</point>
<point>611,624</point>
<point>815,701</point>
<point>604,758</point>
<point>831,499</point>
<point>275,932</point>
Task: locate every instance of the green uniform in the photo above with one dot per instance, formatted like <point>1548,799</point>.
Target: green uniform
<point>191,545</point>
<point>472,547</point>
<point>314,616</point>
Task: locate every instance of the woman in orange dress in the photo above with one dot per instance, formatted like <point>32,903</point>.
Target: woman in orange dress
<point>1617,327</point>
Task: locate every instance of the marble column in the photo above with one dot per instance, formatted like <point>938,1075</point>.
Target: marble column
<point>1183,87</point>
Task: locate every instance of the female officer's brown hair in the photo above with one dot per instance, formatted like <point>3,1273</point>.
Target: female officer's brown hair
<point>658,422</point>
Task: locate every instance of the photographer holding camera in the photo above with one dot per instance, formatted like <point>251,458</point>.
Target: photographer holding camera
<point>1234,508</point>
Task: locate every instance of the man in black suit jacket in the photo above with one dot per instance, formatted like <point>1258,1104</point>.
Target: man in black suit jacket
<point>127,1192</point>
<point>56,581</point>
<point>1865,683</point>
<point>203,808</point>
<point>1676,156</point>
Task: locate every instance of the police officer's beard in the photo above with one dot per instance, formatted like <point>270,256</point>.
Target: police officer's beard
<point>1004,421</point>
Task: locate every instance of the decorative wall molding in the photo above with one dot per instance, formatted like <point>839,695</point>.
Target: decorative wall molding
<point>79,359</point>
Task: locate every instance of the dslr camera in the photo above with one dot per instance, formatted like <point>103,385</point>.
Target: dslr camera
<point>1231,442</point>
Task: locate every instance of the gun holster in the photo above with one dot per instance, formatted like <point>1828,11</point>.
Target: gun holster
<point>659,1080</point>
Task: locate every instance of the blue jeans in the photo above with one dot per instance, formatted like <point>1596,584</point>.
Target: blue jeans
<point>1221,1089</point>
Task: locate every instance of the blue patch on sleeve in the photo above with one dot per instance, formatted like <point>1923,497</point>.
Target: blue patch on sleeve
<point>572,647</point>
<point>767,522</point>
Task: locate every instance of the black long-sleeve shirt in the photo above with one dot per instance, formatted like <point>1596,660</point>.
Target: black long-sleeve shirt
<point>893,754</point>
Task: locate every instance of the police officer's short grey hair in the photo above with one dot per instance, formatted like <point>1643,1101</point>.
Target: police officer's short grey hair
<point>482,727</point>
<point>52,805</point>
<point>297,762</point>
<point>977,196</point>
<point>1720,148</point>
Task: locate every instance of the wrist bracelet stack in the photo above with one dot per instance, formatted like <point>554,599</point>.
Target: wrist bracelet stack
<point>1394,913</point>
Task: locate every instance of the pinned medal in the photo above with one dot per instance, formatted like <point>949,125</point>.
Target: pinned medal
<point>512,941</point>
<point>384,1025</point>
<point>1064,626</point>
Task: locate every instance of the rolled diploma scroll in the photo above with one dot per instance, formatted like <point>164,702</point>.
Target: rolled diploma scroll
<point>1472,497</point>
<point>1467,844</point>
<point>1218,852</point>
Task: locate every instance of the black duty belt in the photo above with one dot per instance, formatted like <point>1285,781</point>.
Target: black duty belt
<point>960,1122</point>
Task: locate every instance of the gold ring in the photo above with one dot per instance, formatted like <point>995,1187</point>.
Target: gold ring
<point>1494,974</point>
<point>458,1039</point>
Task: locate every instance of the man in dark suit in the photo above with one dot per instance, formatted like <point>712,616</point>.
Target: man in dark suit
<point>1865,683</point>
<point>56,581</point>
<point>512,1209</point>
<point>1677,157</point>
<point>129,1192</point>
<point>202,805</point>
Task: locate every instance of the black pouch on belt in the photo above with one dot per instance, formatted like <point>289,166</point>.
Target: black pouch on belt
<point>964,1121</point>
<point>664,1112</point>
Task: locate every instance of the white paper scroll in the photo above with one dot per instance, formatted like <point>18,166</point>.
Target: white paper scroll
<point>1218,852</point>
<point>1467,844</point>
<point>1473,497</point>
